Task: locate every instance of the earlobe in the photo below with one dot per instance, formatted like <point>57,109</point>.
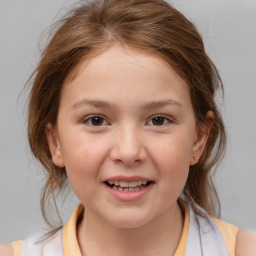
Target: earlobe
<point>201,138</point>
<point>54,146</point>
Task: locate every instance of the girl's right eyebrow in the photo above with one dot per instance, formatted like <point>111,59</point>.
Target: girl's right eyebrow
<point>94,103</point>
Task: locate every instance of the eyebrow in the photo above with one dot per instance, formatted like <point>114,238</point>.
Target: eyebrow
<point>94,103</point>
<point>104,104</point>
<point>161,103</point>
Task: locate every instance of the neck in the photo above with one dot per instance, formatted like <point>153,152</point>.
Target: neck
<point>159,237</point>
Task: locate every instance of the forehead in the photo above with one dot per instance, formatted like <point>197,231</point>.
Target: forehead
<point>118,68</point>
<point>120,54</point>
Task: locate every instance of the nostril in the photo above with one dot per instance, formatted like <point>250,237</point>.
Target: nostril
<point>128,152</point>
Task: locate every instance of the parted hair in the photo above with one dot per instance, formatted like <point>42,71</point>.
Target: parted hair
<point>148,25</point>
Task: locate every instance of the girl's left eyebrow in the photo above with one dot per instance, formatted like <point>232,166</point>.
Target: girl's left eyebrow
<point>107,105</point>
<point>161,103</point>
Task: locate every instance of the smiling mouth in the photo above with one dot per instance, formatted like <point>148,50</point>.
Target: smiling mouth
<point>128,186</point>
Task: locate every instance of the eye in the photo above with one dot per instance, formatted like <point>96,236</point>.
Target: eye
<point>159,121</point>
<point>95,121</point>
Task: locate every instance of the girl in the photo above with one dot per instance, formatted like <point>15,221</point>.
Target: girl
<point>122,107</point>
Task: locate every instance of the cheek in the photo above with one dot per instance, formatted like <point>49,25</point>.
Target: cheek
<point>173,177</point>
<point>173,169</point>
<point>83,161</point>
<point>172,151</point>
<point>171,156</point>
<point>82,153</point>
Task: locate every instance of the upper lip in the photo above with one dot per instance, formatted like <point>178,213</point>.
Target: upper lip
<point>127,178</point>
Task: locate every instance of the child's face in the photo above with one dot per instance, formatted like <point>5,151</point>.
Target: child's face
<point>127,116</point>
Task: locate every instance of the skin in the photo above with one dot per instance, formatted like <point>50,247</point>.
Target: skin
<point>128,89</point>
<point>129,142</point>
<point>6,250</point>
<point>246,243</point>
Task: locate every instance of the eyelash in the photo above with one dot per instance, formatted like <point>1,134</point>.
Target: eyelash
<point>103,121</point>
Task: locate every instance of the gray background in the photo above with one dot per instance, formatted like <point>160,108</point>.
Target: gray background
<point>228,29</point>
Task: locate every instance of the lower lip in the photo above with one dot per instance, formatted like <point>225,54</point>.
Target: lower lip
<point>129,195</point>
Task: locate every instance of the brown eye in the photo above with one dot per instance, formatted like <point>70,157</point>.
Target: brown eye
<point>159,120</point>
<point>95,121</point>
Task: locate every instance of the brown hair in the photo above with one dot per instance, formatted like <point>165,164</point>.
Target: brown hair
<point>148,25</point>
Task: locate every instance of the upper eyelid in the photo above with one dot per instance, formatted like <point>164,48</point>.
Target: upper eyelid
<point>164,116</point>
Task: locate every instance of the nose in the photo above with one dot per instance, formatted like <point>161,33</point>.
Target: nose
<point>128,147</point>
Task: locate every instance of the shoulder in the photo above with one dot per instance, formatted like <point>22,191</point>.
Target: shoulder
<point>6,250</point>
<point>246,243</point>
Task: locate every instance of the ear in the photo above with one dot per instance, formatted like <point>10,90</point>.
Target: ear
<point>54,145</point>
<point>201,137</point>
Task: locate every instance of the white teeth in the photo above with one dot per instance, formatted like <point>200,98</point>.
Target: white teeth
<point>126,184</point>
<point>133,184</point>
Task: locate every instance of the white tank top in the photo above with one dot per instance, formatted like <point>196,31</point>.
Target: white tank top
<point>203,239</point>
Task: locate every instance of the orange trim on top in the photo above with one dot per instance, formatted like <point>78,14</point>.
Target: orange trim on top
<point>229,233</point>
<point>181,249</point>
<point>17,248</point>
<point>70,241</point>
